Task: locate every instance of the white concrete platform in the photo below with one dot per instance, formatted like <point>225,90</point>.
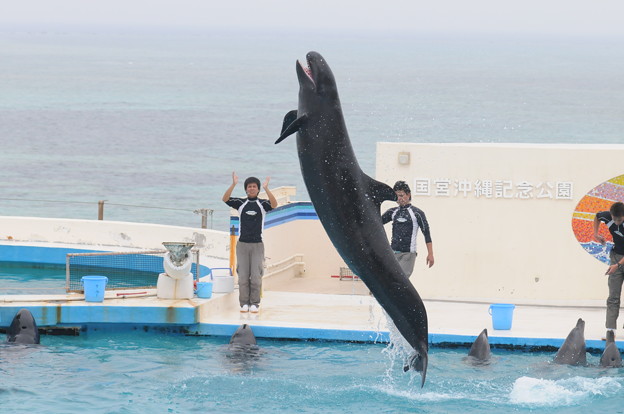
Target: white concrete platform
<point>449,321</point>
<point>297,315</point>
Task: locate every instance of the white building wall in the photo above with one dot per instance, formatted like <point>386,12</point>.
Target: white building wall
<point>306,237</point>
<point>112,235</point>
<point>510,245</point>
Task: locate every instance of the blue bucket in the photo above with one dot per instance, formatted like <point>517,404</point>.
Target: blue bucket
<point>94,288</point>
<point>502,315</point>
<point>204,290</point>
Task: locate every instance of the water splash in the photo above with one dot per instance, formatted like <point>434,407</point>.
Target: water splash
<point>397,351</point>
<point>563,392</point>
<point>375,319</point>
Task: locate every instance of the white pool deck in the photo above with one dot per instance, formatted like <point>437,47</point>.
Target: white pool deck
<point>351,314</point>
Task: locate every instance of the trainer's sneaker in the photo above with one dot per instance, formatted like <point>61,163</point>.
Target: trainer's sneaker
<point>253,309</point>
<point>244,308</point>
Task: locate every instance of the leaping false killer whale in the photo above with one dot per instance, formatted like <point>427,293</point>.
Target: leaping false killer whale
<point>23,329</point>
<point>347,202</point>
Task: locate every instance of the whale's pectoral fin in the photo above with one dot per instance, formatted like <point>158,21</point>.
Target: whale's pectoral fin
<point>291,124</point>
<point>289,118</point>
<point>418,362</point>
<point>380,192</point>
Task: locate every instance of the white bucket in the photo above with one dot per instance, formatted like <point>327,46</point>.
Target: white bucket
<point>169,288</point>
<point>222,284</point>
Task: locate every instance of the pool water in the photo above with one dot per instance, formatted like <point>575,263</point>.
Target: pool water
<point>17,278</point>
<point>137,372</point>
<point>31,279</point>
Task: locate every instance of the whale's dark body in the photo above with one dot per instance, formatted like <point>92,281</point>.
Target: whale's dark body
<point>480,349</point>
<point>348,202</point>
<point>573,351</point>
<point>23,329</point>
<point>243,336</point>
<point>611,356</point>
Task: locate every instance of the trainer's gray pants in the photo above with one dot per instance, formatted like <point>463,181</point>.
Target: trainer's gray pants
<point>615,291</point>
<point>406,260</point>
<point>250,268</point>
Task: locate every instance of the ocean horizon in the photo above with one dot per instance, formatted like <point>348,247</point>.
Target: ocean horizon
<point>155,122</point>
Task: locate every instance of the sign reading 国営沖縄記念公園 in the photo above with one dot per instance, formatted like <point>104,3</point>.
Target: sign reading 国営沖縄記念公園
<point>493,189</point>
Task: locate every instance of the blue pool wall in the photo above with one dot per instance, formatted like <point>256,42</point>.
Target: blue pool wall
<point>91,317</point>
<point>58,256</point>
<point>38,254</point>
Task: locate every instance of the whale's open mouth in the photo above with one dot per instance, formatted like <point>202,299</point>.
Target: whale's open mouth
<point>307,70</point>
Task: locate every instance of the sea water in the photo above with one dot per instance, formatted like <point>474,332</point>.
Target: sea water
<point>155,122</point>
<point>135,372</point>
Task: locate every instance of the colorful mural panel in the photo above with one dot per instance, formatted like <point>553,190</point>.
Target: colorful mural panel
<point>597,199</point>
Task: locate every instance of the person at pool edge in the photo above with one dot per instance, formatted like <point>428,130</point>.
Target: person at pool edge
<point>250,248</point>
<point>406,220</point>
<point>613,219</point>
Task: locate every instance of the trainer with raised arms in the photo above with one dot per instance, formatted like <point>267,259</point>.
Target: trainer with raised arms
<point>250,248</point>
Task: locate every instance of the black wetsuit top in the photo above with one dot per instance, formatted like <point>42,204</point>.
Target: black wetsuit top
<point>251,212</point>
<point>616,231</point>
<point>406,221</point>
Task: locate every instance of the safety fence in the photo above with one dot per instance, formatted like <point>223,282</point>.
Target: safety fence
<point>123,269</point>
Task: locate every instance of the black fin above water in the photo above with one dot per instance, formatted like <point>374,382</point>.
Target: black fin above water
<point>291,125</point>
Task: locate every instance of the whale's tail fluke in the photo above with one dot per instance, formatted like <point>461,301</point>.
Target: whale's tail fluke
<point>418,362</point>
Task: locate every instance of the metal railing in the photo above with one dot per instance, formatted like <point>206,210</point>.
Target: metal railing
<point>206,214</point>
<point>203,212</point>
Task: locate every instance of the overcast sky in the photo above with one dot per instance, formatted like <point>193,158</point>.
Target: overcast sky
<point>586,17</point>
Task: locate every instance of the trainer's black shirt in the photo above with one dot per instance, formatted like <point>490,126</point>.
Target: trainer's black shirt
<point>251,212</point>
<point>617,232</point>
<point>406,221</point>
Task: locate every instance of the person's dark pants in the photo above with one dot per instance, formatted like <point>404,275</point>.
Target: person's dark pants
<point>250,268</point>
<point>615,291</point>
<point>406,260</point>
